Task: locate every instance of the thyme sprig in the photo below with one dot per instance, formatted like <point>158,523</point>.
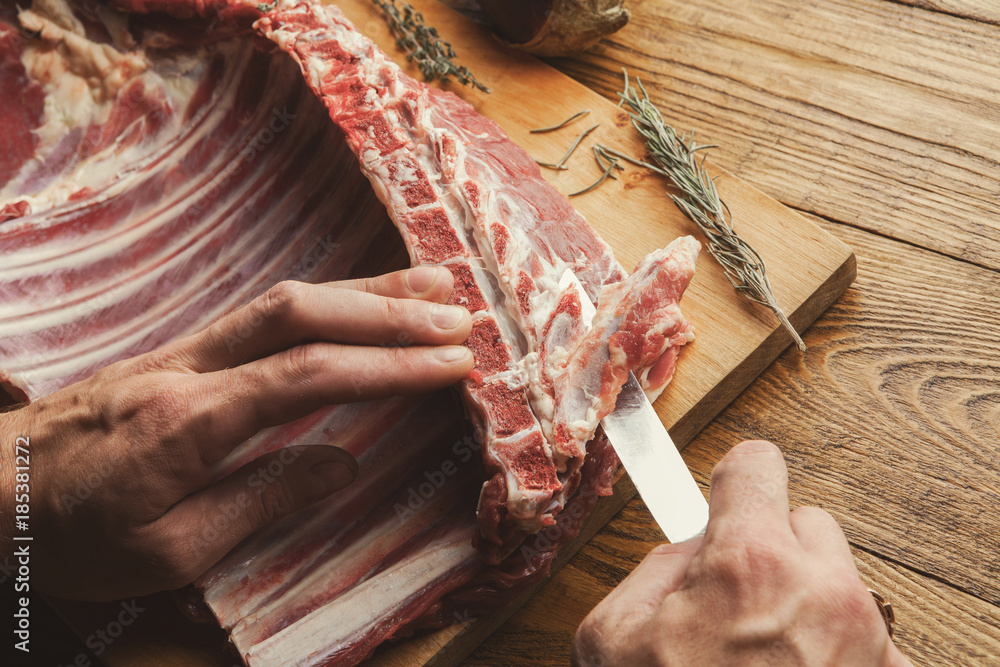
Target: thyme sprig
<point>675,157</point>
<point>422,44</point>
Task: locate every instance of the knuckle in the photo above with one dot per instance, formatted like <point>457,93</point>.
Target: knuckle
<point>586,643</point>
<point>602,641</point>
<point>402,362</point>
<point>726,563</point>
<point>165,404</point>
<point>849,600</point>
<point>815,516</point>
<point>159,405</point>
<point>283,299</point>
<point>739,564</point>
<point>394,310</point>
<point>306,362</point>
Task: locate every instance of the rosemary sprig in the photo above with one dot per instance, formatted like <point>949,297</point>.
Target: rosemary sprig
<point>698,200</point>
<point>423,45</point>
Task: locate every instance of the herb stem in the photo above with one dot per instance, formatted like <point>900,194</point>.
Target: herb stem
<point>607,174</point>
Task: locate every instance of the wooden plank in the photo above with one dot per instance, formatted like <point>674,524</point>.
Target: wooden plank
<point>936,623</point>
<point>736,340</point>
<point>871,113</point>
<point>904,367</point>
<point>891,419</point>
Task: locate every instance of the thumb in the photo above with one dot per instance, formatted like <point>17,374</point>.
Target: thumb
<point>659,574</point>
<point>217,518</point>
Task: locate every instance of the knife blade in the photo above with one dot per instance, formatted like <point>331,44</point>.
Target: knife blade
<point>654,464</point>
<point>648,453</point>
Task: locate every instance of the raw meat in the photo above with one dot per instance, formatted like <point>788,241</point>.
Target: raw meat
<point>142,207</point>
<point>461,193</point>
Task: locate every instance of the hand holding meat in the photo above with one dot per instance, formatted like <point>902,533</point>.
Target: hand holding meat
<point>762,587</point>
<point>149,429</point>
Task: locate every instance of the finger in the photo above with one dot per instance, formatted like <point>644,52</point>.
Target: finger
<point>238,402</point>
<point>820,535</point>
<point>430,283</point>
<point>749,489</point>
<point>205,526</point>
<point>291,313</point>
<point>659,574</point>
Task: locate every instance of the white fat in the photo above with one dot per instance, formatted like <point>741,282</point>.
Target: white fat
<point>364,606</point>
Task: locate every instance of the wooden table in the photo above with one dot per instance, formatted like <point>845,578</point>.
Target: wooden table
<point>880,120</point>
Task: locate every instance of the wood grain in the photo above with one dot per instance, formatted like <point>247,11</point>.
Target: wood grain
<point>736,340</point>
<point>935,624</point>
<point>871,113</point>
<point>876,115</point>
<point>892,417</point>
<point>890,422</point>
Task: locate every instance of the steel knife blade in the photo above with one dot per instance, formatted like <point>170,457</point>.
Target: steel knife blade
<point>655,466</point>
<point>648,452</point>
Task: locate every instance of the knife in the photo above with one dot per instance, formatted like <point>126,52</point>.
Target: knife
<point>655,466</point>
<point>648,453</point>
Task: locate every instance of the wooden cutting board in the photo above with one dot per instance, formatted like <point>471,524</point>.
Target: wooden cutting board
<point>736,340</point>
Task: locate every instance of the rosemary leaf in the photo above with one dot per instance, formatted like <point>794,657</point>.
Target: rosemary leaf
<point>542,130</point>
<point>675,157</point>
<point>423,45</point>
<point>600,155</point>
<point>607,174</point>
<point>561,164</point>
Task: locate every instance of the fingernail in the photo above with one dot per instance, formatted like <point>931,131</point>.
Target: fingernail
<point>451,354</point>
<point>330,476</point>
<point>421,279</point>
<point>446,317</point>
